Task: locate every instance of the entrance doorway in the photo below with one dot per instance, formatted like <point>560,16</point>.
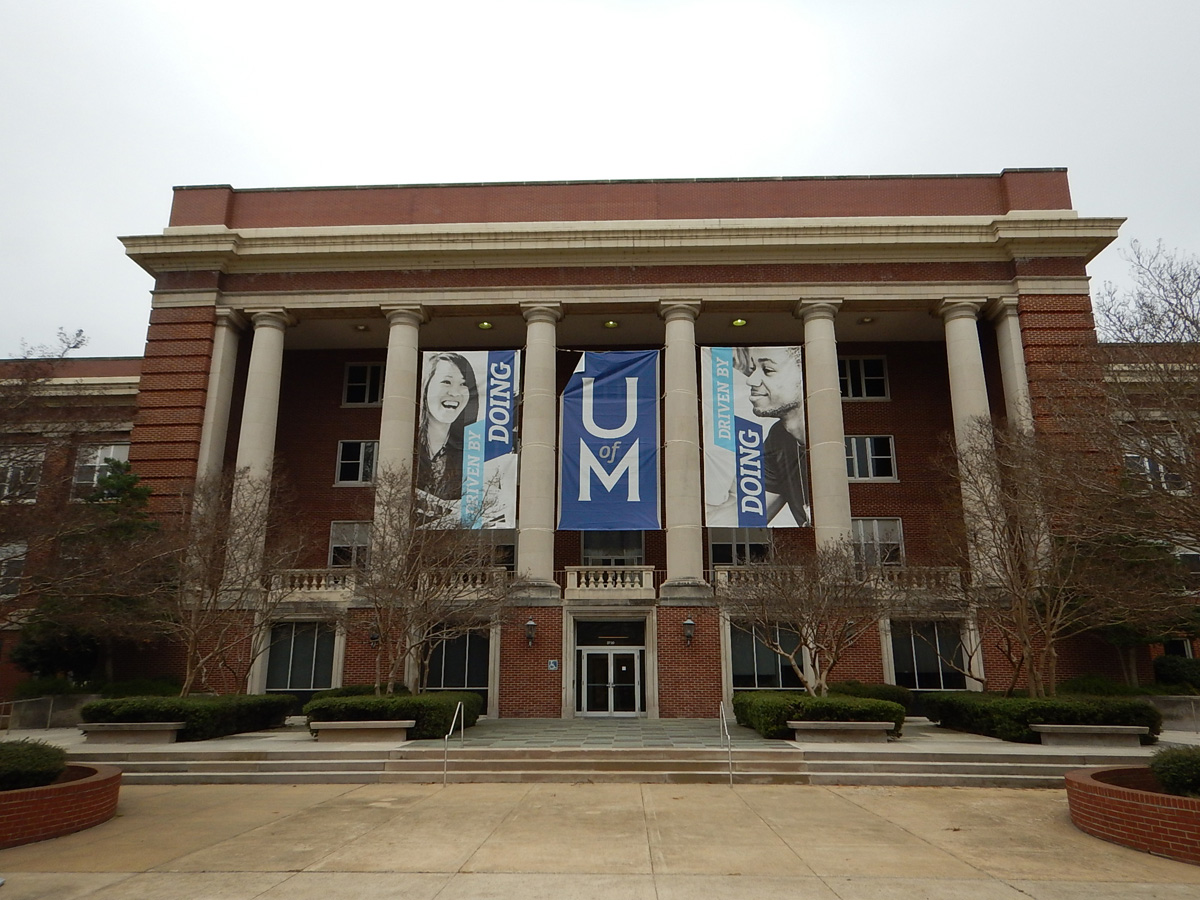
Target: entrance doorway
<point>610,668</point>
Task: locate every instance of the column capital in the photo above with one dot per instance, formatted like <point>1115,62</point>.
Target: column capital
<point>817,308</point>
<point>960,307</point>
<point>540,311</point>
<point>1001,307</point>
<point>231,319</point>
<point>671,310</point>
<point>272,318</point>
<point>405,313</point>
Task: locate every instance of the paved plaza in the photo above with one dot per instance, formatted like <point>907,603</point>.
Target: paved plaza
<point>587,842</point>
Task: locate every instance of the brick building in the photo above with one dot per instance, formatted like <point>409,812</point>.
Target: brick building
<point>292,332</point>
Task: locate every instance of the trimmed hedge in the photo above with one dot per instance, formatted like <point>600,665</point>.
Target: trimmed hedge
<point>27,764</point>
<point>768,712</point>
<point>1099,686</point>
<point>1177,670</point>
<point>1178,770</point>
<point>433,712</point>
<point>894,693</point>
<point>203,717</point>
<point>1009,718</point>
<point>357,690</point>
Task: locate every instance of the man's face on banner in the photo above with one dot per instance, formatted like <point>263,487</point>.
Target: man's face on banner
<point>776,382</point>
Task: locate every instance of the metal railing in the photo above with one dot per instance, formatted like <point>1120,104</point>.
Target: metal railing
<point>462,738</point>
<point>728,739</point>
<point>8,710</point>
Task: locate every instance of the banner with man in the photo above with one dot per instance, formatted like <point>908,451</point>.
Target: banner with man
<point>755,445</point>
<point>466,455</point>
<point>608,443</point>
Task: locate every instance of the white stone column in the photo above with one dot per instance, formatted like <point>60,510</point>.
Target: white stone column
<point>1003,313</point>
<point>398,416</point>
<point>826,428</point>
<point>539,465</point>
<point>221,371</point>
<point>681,452</point>
<point>968,386</point>
<point>260,412</point>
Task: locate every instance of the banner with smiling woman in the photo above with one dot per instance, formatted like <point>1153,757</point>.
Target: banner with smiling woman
<point>466,454</point>
<point>608,443</point>
<point>755,443</point>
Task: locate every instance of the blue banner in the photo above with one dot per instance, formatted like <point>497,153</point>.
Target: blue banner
<point>608,444</point>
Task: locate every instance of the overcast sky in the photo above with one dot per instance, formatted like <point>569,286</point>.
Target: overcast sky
<point>106,104</point>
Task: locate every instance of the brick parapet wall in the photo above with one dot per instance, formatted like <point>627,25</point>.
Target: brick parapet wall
<point>83,797</point>
<point>1126,806</point>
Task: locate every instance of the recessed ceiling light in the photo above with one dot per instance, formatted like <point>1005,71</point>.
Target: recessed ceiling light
<point>485,325</point>
<point>612,323</point>
<point>866,320</point>
<point>738,323</point>
<point>362,327</point>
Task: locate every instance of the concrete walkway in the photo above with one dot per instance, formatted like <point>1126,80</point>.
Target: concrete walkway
<point>579,842</point>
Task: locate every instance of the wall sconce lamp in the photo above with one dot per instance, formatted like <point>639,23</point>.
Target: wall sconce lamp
<point>689,631</point>
<point>530,631</point>
<point>373,637</point>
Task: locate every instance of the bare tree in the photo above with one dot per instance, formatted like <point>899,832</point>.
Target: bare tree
<point>423,586</point>
<point>809,607</point>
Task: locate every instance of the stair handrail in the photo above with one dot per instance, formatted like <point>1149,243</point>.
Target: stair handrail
<point>446,740</point>
<point>728,739</point>
<point>12,710</point>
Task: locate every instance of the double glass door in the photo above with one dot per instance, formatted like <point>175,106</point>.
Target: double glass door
<point>612,682</point>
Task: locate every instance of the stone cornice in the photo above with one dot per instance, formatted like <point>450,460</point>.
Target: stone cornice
<point>648,242</point>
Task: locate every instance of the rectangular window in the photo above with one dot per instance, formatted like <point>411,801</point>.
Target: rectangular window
<point>928,656</point>
<point>301,656</point>
<point>878,542</point>
<point>461,664</point>
<point>738,546</point>
<point>1154,473</point>
<point>757,666</point>
<point>504,547</point>
<point>613,548</point>
<point>870,457</point>
<point>12,564</point>
<point>91,464</point>
<point>863,378</point>
<point>363,385</point>
<point>20,472</point>
<point>349,544</point>
<point>1178,647</point>
<point>356,461</point>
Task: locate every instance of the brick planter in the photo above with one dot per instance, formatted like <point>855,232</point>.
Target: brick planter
<point>1125,805</point>
<point>82,797</point>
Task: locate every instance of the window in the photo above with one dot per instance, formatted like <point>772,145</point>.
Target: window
<point>301,656</point>
<point>356,461</point>
<point>928,656</point>
<point>613,548</point>
<point>349,544</point>
<point>91,464</point>
<point>1178,647</point>
<point>461,664</point>
<point>870,457</point>
<point>1153,472</point>
<point>755,665</point>
<point>863,378</point>
<point>20,471</point>
<point>504,547</point>
<point>12,564</point>
<point>363,385</point>
<point>878,542</point>
<point>738,546</point>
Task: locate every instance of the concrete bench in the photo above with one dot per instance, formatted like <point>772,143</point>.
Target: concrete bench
<point>130,732</point>
<point>1091,735</point>
<point>373,730</point>
<point>828,732</point>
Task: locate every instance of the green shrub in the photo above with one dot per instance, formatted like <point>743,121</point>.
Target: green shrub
<point>26,764</point>
<point>357,690</point>
<point>1178,770</point>
<point>31,688</point>
<point>1009,718</point>
<point>1177,670</point>
<point>433,712</point>
<point>140,687</point>
<point>768,712</point>
<point>203,717</point>
<point>1099,686</point>
<point>894,693</point>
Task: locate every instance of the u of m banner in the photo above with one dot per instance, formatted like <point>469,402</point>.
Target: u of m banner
<point>608,443</point>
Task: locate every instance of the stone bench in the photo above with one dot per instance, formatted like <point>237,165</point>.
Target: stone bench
<point>828,732</point>
<point>1091,735</point>
<point>130,732</point>
<point>373,730</point>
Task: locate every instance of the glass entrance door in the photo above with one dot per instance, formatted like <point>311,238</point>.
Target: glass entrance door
<point>612,683</point>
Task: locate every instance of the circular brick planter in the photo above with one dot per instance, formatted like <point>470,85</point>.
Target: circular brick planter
<point>82,797</point>
<point>1125,805</point>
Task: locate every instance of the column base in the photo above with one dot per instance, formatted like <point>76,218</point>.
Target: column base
<point>685,592</point>
<point>536,593</point>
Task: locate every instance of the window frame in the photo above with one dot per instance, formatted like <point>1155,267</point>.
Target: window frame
<point>748,545</point>
<point>1149,470</point>
<point>857,529</point>
<point>783,669</point>
<point>366,463</point>
<point>375,382</point>
<point>12,568</point>
<point>329,628</point>
<point>359,552</point>
<point>81,488</point>
<point>853,457</point>
<point>21,472</point>
<point>962,626</point>
<point>845,379</point>
<point>596,561</point>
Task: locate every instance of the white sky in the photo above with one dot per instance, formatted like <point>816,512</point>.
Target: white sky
<point>106,104</point>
